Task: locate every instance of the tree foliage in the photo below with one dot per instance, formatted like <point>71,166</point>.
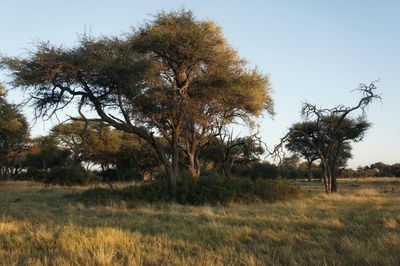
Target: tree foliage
<point>175,77</point>
<point>327,133</point>
<point>14,131</point>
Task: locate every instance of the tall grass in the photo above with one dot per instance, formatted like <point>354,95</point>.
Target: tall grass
<point>360,228</point>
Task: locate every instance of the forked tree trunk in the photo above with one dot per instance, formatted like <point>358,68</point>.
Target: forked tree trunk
<point>194,163</point>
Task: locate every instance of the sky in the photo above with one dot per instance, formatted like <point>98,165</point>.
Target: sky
<point>314,51</point>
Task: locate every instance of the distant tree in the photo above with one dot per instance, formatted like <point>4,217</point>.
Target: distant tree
<point>395,169</point>
<point>288,167</point>
<point>14,133</point>
<point>136,156</point>
<point>227,150</point>
<point>299,144</point>
<point>102,148</point>
<point>328,131</point>
<point>383,170</point>
<point>162,80</point>
<point>43,155</point>
<point>113,151</point>
<point>76,138</point>
<point>264,170</point>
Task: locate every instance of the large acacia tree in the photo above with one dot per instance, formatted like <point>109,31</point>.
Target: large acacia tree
<point>174,77</point>
<point>200,85</point>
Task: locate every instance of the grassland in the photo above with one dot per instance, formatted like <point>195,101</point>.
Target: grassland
<point>358,226</point>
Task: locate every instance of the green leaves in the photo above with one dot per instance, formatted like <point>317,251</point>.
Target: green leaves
<point>174,76</point>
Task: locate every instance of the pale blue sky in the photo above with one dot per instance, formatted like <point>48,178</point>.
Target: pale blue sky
<point>316,51</point>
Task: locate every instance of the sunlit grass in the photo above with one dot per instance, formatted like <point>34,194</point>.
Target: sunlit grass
<point>358,226</point>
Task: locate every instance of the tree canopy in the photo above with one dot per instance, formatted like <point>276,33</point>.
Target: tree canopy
<point>326,134</point>
<point>175,77</point>
<point>14,131</point>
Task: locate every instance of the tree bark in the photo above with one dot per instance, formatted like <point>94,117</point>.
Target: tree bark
<point>325,176</point>
<point>105,177</point>
<point>309,165</point>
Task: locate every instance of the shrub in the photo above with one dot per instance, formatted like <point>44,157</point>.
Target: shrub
<point>33,173</point>
<point>258,170</point>
<point>204,190</point>
<point>69,175</point>
<point>110,173</point>
<point>131,174</point>
<point>264,170</point>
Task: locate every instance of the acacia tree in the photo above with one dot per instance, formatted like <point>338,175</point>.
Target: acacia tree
<point>297,143</point>
<point>154,82</point>
<point>14,133</point>
<point>44,154</point>
<point>226,150</point>
<point>327,132</point>
<point>75,136</point>
<point>138,157</point>
<point>204,85</point>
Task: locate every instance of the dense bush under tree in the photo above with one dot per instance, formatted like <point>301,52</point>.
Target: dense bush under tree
<point>203,190</point>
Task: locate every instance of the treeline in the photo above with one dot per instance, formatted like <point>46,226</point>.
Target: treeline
<point>78,152</point>
<point>293,168</point>
<point>378,169</point>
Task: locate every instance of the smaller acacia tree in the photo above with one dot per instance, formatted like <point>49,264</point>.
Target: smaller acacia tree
<point>327,133</point>
<point>14,133</point>
<point>74,136</point>
<point>298,144</point>
<point>112,150</point>
<point>225,151</point>
<point>43,155</point>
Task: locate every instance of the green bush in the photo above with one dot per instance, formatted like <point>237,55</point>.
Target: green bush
<point>130,174</point>
<point>33,173</point>
<point>111,173</point>
<point>259,170</point>
<point>204,190</point>
<point>69,175</point>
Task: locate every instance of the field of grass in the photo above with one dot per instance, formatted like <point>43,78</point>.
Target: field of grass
<point>360,225</point>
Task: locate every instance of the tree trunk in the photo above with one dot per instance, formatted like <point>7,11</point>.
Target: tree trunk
<point>197,164</point>
<point>329,178</point>
<point>194,164</point>
<point>309,165</point>
<point>105,177</point>
<point>171,173</point>
<point>335,168</point>
<point>333,177</point>
<point>175,161</point>
<point>325,176</point>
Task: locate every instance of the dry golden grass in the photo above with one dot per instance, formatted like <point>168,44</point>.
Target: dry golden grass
<point>358,226</point>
